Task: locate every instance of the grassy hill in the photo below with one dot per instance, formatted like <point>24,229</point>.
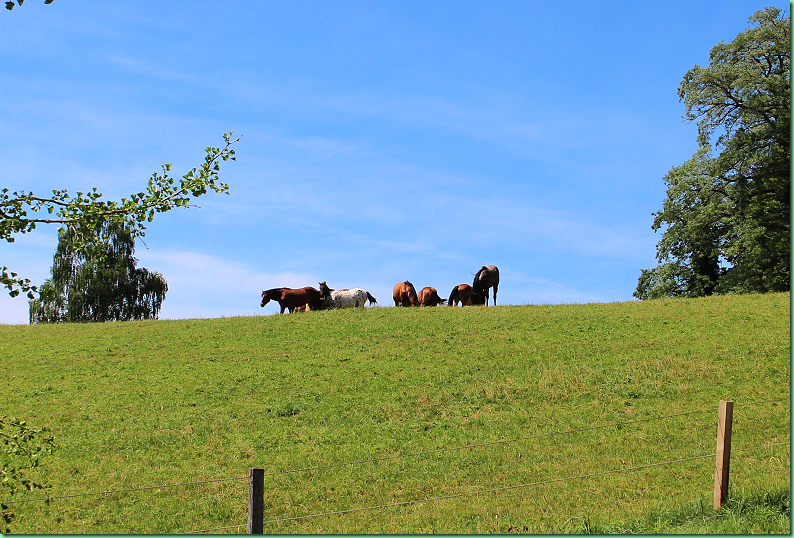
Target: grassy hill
<point>552,392</point>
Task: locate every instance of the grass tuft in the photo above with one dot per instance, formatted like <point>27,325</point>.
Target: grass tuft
<point>754,512</point>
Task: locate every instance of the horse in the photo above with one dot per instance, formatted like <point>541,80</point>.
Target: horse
<point>486,277</point>
<point>289,298</point>
<point>429,297</point>
<point>465,295</point>
<point>354,298</point>
<point>405,294</point>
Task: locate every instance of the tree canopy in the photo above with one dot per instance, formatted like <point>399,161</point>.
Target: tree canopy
<point>98,281</point>
<point>726,218</point>
<point>85,214</point>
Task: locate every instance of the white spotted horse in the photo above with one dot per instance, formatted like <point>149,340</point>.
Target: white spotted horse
<point>355,298</point>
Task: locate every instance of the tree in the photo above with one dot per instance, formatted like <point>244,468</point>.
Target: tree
<point>10,5</point>
<point>726,218</point>
<point>85,214</point>
<point>98,282</point>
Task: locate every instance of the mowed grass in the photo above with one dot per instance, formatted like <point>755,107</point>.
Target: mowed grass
<point>552,392</point>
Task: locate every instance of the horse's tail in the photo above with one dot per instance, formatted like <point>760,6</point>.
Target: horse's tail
<point>372,300</point>
<point>452,296</point>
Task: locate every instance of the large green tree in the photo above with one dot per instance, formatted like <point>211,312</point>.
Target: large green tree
<point>98,281</point>
<point>726,218</point>
<point>85,214</point>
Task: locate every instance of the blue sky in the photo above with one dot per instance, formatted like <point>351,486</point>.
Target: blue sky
<point>382,141</point>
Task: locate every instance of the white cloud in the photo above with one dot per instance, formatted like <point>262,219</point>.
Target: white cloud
<point>202,285</point>
<point>199,286</point>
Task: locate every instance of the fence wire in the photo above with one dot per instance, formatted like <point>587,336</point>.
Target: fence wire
<point>215,529</point>
<point>388,458</point>
<point>519,486</point>
<point>59,497</point>
<point>493,490</point>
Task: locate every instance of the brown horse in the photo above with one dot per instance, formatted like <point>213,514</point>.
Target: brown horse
<point>429,297</point>
<point>405,294</point>
<point>465,295</point>
<point>288,298</point>
<point>487,277</point>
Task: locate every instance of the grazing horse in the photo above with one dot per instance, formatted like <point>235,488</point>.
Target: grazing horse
<point>288,298</point>
<point>465,295</point>
<point>405,294</point>
<point>429,297</point>
<point>486,277</point>
<point>343,298</point>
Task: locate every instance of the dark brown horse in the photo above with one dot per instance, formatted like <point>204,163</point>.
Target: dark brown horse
<point>487,277</point>
<point>405,294</point>
<point>429,297</point>
<point>289,298</point>
<point>465,295</point>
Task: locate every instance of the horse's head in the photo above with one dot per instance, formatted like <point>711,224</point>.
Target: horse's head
<point>325,291</point>
<point>433,299</point>
<point>265,298</point>
<point>478,296</point>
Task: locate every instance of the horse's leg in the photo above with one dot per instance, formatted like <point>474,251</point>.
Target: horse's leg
<point>495,289</point>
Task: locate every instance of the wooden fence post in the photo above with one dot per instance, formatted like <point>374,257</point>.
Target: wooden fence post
<point>256,500</point>
<point>724,427</point>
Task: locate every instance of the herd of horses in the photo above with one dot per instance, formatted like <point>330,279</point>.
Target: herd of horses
<point>310,298</point>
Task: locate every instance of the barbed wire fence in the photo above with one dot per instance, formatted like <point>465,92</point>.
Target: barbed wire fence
<point>496,490</point>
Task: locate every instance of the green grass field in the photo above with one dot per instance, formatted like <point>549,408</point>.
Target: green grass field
<point>553,392</point>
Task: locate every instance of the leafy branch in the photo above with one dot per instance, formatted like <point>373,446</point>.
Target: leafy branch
<point>10,5</point>
<point>85,213</point>
<point>21,448</point>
